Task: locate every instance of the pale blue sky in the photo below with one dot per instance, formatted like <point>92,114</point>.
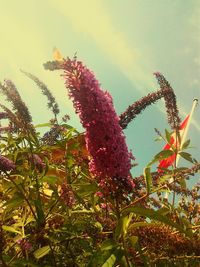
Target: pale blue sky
<point>123,42</point>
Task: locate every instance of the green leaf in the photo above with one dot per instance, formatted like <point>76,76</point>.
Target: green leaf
<point>10,229</point>
<point>159,138</point>
<point>85,189</point>
<point>39,211</point>
<point>41,252</point>
<point>186,156</point>
<point>164,211</point>
<point>186,225</point>
<point>69,127</point>
<point>110,261</point>
<point>143,255</point>
<point>25,263</point>
<point>43,125</point>
<point>164,154</point>
<point>186,144</point>
<point>141,224</point>
<point>154,215</point>
<point>15,202</point>
<point>50,179</point>
<point>106,258</point>
<point>148,179</point>
<point>168,136</point>
<point>122,226</point>
<point>182,183</point>
<point>82,211</point>
<point>108,244</point>
<point>133,240</point>
<point>164,178</point>
<point>161,155</point>
<point>29,220</point>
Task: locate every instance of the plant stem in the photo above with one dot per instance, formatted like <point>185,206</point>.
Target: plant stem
<point>125,252</point>
<point>53,256</point>
<point>24,196</point>
<point>147,195</point>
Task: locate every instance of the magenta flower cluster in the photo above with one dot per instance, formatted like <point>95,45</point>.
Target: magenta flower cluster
<point>37,161</point>
<point>3,115</point>
<point>24,244</point>
<point>111,160</point>
<point>6,164</point>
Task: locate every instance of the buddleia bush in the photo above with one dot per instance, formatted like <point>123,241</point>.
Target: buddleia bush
<point>71,198</point>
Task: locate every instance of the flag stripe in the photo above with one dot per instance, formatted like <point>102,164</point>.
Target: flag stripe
<point>165,163</point>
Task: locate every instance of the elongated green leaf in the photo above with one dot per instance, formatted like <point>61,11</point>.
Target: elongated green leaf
<point>164,178</point>
<point>82,211</point>
<point>168,136</point>
<point>148,179</point>
<point>122,227</point>
<point>186,156</point>
<point>41,252</point>
<point>25,263</point>
<point>159,138</point>
<point>39,211</point>
<point>164,154</point>
<point>182,183</point>
<point>144,257</point>
<point>14,202</point>
<point>186,144</point>
<point>106,257</point>
<point>155,215</point>
<point>50,179</point>
<point>110,261</point>
<point>163,211</point>
<point>99,258</point>
<point>141,224</point>
<point>29,220</point>
<point>133,240</point>
<point>161,155</point>
<point>43,125</point>
<point>10,229</point>
<point>186,224</point>
<point>85,189</point>
<point>108,244</point>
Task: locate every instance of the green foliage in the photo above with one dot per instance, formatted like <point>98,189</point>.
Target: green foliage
<point>53,213</point>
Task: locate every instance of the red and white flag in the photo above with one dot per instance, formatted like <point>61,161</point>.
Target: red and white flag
<point>165,163</point>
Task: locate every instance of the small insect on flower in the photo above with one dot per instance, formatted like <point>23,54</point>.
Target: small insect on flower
<point>57,55</point>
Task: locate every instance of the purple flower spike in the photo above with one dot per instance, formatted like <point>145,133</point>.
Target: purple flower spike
<point>24,244</point>
<point>37,161</point>
<point>111,160</point>
<point>3,115</point>
<point>6,164</point>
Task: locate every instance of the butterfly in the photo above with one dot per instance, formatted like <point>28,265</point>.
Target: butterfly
<point>57,55</point>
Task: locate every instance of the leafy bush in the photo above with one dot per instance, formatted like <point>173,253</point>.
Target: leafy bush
<point>69,199</point>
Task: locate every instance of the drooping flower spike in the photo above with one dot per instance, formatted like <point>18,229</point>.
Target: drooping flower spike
<point>170,101</point>
<point>52,104</point>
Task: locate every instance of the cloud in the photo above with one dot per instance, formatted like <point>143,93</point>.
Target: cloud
<point>24,45</point>
<point>92,19</point>
<point>193,121</point>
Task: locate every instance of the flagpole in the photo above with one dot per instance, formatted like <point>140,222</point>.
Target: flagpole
<point>195,102</point>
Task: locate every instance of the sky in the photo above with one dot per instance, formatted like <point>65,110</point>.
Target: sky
<point>122,42</point>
